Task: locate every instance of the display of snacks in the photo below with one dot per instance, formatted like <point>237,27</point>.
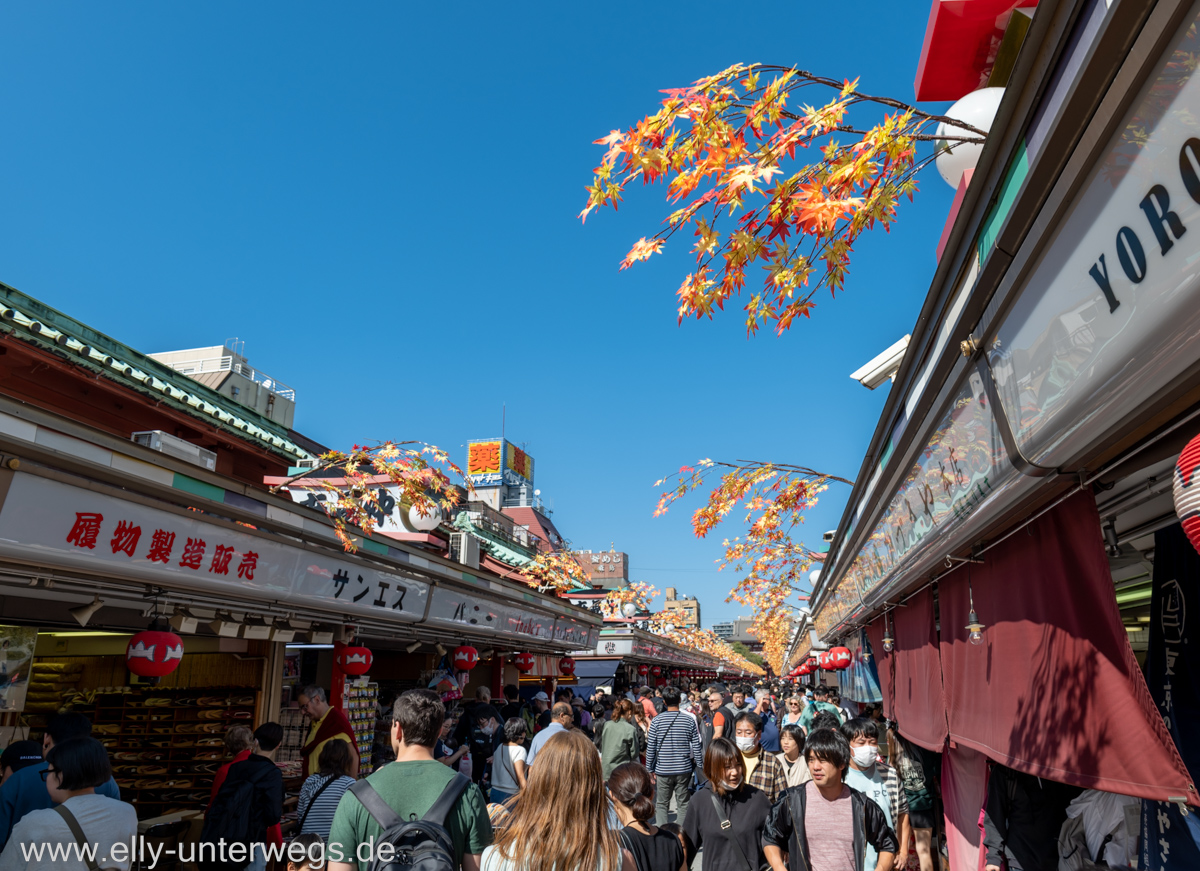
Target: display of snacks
<point>167,743</point>
<point>359,704</point>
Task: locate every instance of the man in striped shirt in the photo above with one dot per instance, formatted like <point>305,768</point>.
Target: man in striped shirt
<point>672,752</point>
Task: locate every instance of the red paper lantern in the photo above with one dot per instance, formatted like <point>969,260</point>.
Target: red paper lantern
<point>643,669</point>
<point>1187,491</point>
<point>839,657</point>
<point>465,658</point>
<point>656,671</point>
<point>354,660</point>
<point>524,662</point>
<point>153,653</point>
<point>566,665</point>
<point>675,672</point>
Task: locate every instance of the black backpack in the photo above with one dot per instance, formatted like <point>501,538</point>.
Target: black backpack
<point>419,845</point>
<point>232,818</point>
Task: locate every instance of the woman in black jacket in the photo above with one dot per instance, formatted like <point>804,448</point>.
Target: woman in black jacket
<point>727,816</point>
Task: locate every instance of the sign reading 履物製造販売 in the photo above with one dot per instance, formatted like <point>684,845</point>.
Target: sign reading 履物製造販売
<point>492,462</point>
<point>51,523</point>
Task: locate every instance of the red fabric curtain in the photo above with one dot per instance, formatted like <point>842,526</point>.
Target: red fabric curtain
<point>1054,690</point>
<point>884,665</point>
<point>919,702</point>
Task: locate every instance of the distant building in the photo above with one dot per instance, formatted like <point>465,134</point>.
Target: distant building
<point>723,630</point>
<point>685,609</point>
<point>226,370</point>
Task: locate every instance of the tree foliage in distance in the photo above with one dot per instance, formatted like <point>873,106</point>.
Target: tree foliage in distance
<point>729,143</point>
<point>421,472</point>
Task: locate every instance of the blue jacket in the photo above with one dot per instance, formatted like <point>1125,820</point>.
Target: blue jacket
<point>25,791</point>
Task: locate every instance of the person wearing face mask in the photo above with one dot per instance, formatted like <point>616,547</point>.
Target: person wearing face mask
<point>728,815</point>
<point>825,825</point>
<point>484,738</point>
<point>878,781</point>
<point>763,770</point>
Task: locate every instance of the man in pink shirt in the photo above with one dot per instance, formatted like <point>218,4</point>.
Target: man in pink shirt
<point>647,698</point>
<point>824,825</point>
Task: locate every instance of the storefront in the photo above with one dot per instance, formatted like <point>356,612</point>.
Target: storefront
<point>99,536</point>
<point>998,564</point>
<point>629,657</point>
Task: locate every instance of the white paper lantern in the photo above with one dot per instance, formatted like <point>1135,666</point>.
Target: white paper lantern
<point>428,523</point>
<point>978,109</point>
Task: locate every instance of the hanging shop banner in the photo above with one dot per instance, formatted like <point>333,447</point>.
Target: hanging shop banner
<point>1111,311</point>
<point>16,657</point>
<point>1170,839</point>
<point>859,682</point>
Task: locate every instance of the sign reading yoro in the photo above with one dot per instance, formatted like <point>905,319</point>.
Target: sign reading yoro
<point>493,462</point>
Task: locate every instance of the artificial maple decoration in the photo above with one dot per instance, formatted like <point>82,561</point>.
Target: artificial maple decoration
<point>353,480</point>
<point>636,594</point>
<point>554,571</point>
<point>773,498</point>
<point>729,143</point>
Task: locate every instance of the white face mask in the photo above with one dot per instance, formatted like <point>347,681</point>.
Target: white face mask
<point>864,756</point>
<point>745,744</point>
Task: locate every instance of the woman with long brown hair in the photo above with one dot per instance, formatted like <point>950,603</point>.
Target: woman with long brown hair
<point>562,819</point>
<point>619,741</point>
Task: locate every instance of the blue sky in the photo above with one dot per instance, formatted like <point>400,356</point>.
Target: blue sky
<point>380,200</point>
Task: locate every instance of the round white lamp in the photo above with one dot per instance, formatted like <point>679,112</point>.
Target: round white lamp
<point>978,109</point>
<point>428,523</point>
<point>629,609</point>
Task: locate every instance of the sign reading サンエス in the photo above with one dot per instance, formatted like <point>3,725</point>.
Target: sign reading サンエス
<point>493,462</point>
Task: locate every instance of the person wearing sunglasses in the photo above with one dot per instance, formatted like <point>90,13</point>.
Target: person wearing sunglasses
<point>94,823</point>
<point>793,711</point>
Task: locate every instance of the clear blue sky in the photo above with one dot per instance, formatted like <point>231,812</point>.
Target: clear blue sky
<point>380,200</point>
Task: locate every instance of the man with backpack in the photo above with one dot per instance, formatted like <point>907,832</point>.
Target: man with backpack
<point>248,805</point>
<point>413,807</point>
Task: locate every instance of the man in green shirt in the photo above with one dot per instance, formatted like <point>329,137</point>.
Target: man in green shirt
<point>410,786</point>
<point>819,705</point>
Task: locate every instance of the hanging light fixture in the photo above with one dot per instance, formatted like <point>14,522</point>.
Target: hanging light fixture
<point>889,641</point>
<point>974,627</point>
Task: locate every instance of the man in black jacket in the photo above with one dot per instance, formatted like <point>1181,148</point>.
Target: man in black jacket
<point>1022,819</point>
<point>825,823</point>
<point>249,802</point>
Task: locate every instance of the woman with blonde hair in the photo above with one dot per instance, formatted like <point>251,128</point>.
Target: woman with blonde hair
<point>562,819</point>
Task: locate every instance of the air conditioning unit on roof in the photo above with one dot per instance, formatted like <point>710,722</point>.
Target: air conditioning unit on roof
<point>172,446</point>
<point>464,548</point>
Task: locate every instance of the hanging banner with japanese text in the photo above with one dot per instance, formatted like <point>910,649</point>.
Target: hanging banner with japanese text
<point>1170,839</point>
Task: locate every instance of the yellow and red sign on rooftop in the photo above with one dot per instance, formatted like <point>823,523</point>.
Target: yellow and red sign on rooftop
<point>493,462</point>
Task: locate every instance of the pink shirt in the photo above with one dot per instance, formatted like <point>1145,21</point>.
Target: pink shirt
<point>830,829</point>
<point>648,707</point>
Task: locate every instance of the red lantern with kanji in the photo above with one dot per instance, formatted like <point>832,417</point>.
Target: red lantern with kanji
<point>566,665</point>
<point>354,660</point>
<point>675,672</point>
<point>1187,491</point>
<point>839,657</point>
<point>154,652</point>
<point>643,669</point>
<point>823,659</point>
<point>524,662</point>
<point>465,658</point>
<point>656,671</point>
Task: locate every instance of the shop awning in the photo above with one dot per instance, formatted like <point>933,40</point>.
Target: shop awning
<point>1054,689</point>
<point>596,670</point>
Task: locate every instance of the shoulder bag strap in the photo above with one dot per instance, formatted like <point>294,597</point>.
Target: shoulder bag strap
<point>726,830</point>
<point>313,800</point>
<point>504,764</point>
<point>441,808</point>
<point>379,809</point>
<point>627,844</point>
<point>80,838</point>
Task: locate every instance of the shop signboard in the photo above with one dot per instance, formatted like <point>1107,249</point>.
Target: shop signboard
<point>604,567</point>
<point>1110,313</point>
<point>52,523</point>
<point>962,464</point>
<point>388,511</point>
<point>493,462</point>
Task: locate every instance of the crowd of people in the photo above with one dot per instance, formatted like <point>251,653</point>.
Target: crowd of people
<point>640,780</point>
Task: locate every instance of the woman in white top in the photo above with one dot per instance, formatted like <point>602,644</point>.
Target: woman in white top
<point>791,739</point>
<point>74,769</point>
<point>508,762</point>
<point>561,821</point>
